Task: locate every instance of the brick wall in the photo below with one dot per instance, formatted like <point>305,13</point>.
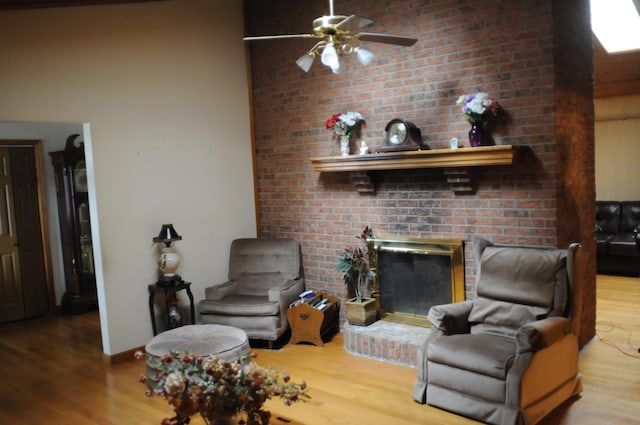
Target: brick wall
<point>534,57</point>
<point>575,142</point>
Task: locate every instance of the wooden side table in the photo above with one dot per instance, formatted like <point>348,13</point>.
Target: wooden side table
<point>169,292</point>
<point>310,324</point>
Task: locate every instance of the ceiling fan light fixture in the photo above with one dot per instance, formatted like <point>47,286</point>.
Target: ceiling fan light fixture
<point>305,61</point>
<point>364,56</point>
<point>335,32</point>
<point>329,58</point>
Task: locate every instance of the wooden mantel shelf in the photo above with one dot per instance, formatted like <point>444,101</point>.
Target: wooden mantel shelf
<point>454,161</point>
<point>436,158</point>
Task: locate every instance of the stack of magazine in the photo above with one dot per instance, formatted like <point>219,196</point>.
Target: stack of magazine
<point>313,299</point>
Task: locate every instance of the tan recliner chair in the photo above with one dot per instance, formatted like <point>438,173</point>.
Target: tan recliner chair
<point>265,276</point>
<point>508,356</point>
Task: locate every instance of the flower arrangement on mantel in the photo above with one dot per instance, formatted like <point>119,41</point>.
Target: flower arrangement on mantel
<point>216,389</point>
<point>354,264</point>
<point>479,108</point>
<point>344,124</point>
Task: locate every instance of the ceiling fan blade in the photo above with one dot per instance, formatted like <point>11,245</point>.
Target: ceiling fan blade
<point>353,23</point>
<point>385,38</point>
<point>271,37</point>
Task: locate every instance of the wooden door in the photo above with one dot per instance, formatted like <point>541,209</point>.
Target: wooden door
<point>23,284</point>
<point>25,197</point>
<point>11,295</point>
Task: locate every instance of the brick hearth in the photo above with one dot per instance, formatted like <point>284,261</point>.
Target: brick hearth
<point>385,341</point>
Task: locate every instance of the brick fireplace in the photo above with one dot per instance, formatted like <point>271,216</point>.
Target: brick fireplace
<point>534,57</point>
<point>412,274</point>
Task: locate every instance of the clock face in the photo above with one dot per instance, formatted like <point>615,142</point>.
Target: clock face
<point>397,133</point>
<point>80,177</point>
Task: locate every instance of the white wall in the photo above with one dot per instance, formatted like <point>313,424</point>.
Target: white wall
<point>617,145</point>
<point>164,88</point>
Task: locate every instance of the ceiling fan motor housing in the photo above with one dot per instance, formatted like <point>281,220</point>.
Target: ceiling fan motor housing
<point>326,25</point>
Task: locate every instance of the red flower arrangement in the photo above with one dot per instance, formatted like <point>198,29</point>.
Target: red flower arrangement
<point>344,124</point>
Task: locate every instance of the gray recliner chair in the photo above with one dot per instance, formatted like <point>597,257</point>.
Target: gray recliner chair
<point>265,276</point>
<point>508,356</point>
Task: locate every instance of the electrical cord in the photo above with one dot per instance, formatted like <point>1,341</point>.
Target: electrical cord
<point>610,327</point>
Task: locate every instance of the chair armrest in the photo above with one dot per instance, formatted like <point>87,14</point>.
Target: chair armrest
<point>218,292</point>
<point>451,318</point>
<point>286,291</point>
<point>541,334</point>
<point>285,294</point>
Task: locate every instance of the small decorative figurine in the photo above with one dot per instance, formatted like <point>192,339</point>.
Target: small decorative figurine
<point>175,319</point>
<point>364,149</point>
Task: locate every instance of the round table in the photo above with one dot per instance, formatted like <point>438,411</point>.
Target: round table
<point>226,342</point>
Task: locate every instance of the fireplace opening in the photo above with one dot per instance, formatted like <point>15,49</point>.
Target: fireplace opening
<point>414,274</point>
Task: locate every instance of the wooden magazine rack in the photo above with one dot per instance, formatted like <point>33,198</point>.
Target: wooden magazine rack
<point>310,323</point>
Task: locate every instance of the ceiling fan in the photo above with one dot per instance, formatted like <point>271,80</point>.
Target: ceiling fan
<point>336,34</point>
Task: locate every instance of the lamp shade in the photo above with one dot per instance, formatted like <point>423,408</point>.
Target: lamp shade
<point>329,58</point>
<point>305,61</point>
<point>167,234</point>
<point>364,56</point>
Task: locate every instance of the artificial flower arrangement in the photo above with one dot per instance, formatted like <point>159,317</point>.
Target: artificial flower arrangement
<point>479,108</point>
<point>354,264</point>
<point>344,124</point>
<point>216,389</point>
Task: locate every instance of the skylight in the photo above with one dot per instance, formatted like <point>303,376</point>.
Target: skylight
<point>616,24</point>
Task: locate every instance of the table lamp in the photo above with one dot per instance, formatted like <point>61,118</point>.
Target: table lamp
<point>168,260</point>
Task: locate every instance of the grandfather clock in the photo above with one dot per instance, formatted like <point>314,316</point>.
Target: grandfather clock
<point>75,227</point>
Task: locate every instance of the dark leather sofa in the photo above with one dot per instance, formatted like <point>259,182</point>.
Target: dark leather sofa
<point>618,237</point>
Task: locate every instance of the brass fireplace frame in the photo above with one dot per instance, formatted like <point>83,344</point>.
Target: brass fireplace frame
<point>452,248</point>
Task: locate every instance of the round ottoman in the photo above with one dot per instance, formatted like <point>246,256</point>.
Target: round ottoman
<point>226,342</point>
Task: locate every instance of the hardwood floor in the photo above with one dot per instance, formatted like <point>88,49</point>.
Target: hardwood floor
<point>52,372</point>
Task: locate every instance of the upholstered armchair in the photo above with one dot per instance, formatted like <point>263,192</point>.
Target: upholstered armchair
<point>508,356</point>
<point>265,276</point>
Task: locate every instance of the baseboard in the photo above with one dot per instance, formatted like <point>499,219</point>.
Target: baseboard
<point>122,357</point>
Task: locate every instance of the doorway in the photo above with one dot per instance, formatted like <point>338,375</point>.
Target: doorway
<point>25,280</point>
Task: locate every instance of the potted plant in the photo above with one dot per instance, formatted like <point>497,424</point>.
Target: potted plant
<point>221,392</point>
<point>354,265</point>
